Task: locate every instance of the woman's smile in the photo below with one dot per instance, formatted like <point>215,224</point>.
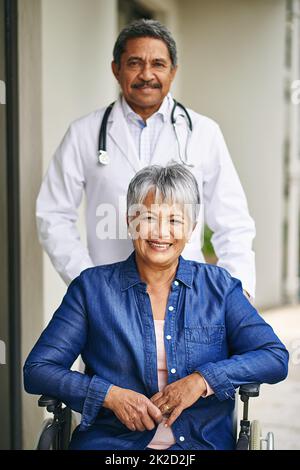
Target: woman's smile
<point>157,245</point>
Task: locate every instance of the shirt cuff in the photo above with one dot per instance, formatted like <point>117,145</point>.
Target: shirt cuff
<point>218,380</point>
<point>209,390</point>
<point>95,397</point>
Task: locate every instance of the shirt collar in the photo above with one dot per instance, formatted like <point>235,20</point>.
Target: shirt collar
<point>163,111</point>
<point>130,275</point>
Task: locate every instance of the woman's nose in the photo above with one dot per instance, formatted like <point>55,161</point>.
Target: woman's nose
<point>164,229</point>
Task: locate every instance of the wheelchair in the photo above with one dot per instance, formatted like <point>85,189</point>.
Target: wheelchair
<point>56,431</point>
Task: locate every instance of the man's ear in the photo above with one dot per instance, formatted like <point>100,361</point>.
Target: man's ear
<point>174,71</point>
<point>115,69</point>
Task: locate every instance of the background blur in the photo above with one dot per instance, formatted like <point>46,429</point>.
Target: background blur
<point>238,64</point>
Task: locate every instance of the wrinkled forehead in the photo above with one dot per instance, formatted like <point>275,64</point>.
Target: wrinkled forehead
<point>159,204</point>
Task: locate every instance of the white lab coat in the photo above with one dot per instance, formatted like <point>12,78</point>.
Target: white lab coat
<point>75,168</point>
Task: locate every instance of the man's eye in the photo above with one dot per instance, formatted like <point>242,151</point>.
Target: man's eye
<point>159,64</point>
<point>133,63</point>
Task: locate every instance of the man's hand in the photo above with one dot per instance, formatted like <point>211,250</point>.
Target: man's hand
<point>179,395</point>
<point>133,409</point>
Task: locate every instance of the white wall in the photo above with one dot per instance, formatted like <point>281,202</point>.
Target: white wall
<point>232,55</point>
<point>77,42</point>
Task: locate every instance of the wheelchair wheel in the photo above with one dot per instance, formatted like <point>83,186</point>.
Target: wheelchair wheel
<point>255,435</point>
<point>47,435</point>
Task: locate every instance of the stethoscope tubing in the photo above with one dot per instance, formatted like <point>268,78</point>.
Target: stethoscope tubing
<point>102,153</point>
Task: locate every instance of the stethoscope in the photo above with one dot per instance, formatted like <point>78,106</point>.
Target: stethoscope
<point>103,157</point>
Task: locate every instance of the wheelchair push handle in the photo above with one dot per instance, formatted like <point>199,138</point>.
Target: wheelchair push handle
<point>249,390</point>
<point>51,403</point>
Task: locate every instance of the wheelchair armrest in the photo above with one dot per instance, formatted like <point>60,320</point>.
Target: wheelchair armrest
<point>50,402</point>
<point>249,390</point>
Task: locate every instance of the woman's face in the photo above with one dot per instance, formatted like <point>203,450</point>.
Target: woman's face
<point>159,231</point>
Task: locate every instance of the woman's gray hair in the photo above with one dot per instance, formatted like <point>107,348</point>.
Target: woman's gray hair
<point>143,29</point>
<point>173,183</point>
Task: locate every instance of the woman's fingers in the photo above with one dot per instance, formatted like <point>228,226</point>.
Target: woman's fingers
<point>147,422</point>
<point>155,397</point>
<point>173,416</point>
<point>161,402</point>
<point>154,412</point>
<point>137,421</point>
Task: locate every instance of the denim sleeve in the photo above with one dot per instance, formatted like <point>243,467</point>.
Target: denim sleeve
<point>255,353</point>
<point>47,368</point>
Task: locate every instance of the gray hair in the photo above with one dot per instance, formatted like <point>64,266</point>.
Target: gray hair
<point>172,183</point>
<point>142,29</point>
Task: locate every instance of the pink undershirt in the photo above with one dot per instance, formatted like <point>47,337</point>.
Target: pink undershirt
<point>164,437</point>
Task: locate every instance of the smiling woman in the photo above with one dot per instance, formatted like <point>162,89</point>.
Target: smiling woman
<point>162,215</point>
<point>165,340</point>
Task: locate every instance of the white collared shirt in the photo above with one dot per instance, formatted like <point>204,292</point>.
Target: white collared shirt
<point>145,134</point>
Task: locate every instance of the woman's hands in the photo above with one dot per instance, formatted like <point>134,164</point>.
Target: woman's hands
<point>179,395</point>
<point>139,413</point>
<point>133,409</point>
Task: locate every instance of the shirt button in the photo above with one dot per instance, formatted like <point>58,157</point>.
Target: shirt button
<point>168,336</point>
<point>176,283</point>
<point>173,371</point>
<point>171,308</point>
<point>181,438</point>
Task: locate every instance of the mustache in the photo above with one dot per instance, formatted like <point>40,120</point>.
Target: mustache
<point>146,84</point>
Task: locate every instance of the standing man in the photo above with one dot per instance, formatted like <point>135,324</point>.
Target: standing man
<point>143,127</point>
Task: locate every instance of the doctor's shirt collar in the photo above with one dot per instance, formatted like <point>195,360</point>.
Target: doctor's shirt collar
<point>163,111</point>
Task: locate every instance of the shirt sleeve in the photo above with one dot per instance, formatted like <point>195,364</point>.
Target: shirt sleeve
<point>227,215</point>
<point>47,368</point>
<point>256,354</point>
<point>57,210</point>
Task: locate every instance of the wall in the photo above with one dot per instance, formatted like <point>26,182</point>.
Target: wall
<point>236,52</point>
<point>30,133</point>
<point>77,44</point>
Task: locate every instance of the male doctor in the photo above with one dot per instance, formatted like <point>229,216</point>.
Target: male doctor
<point>139,132</point>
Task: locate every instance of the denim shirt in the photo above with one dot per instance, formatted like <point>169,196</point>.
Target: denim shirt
<point>106,316</point>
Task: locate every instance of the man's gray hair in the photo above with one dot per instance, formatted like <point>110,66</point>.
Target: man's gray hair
<point>173,183</point>
<point>145,29</point>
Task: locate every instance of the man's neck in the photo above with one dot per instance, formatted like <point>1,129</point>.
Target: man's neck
<point>144,113</point>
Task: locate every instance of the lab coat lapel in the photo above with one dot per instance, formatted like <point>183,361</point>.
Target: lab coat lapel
<point>118,130</point>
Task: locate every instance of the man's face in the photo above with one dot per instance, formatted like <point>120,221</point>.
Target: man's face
<point>145,73</point>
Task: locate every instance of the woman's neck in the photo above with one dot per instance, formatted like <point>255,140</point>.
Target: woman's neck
<point>155,276</point>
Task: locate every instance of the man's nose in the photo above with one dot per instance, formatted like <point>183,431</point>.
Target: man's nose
<point>146,73</point>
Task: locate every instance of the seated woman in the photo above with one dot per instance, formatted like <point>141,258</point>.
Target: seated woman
<point>165,341</point>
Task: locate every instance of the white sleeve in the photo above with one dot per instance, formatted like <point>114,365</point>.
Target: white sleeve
<point>227,215</point>
<point>56,210</point>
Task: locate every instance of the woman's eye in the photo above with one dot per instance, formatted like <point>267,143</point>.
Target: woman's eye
<point>176,221</point>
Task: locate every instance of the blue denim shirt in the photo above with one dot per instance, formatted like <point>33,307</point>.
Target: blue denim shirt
<point>106,317</point>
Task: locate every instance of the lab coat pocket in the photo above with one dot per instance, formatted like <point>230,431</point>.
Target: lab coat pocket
<point>203,344</point>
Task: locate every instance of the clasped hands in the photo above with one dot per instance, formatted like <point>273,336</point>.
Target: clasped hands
<point>139,413</point>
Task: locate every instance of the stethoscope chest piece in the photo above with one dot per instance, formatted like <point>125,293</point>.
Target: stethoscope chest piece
<point>103,157</point>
